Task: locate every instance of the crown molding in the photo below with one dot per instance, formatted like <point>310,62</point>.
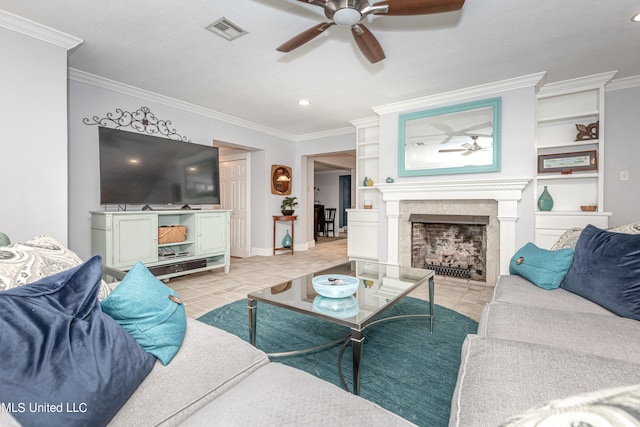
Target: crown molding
<point>104,83</point>
<point>460,94</point>
<point>366,122</point>
<point>325,134</point>
<point>38,31</point>
<point>125,89</point>
<point>625,83</point>
<point>581,83</point>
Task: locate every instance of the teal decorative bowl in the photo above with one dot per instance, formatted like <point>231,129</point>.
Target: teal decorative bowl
<point>341,308</point>
<point>335,285</point>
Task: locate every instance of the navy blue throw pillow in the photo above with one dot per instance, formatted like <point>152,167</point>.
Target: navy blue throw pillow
<point>606,270</point>
<point>65,362</point>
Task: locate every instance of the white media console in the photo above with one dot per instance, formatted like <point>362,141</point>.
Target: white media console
<point>126,237</point>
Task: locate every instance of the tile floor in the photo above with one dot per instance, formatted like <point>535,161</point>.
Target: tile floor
<point>202,292</point>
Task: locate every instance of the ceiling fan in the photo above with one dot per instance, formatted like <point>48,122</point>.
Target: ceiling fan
<point>468,148</point>
<point>351,13</point>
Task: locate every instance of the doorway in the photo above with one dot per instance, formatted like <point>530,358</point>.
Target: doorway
<point>344,191</point>
<point>234,196</point>
<point>332,188</point>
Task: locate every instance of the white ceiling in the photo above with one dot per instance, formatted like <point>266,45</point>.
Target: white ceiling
<point>162,46</point>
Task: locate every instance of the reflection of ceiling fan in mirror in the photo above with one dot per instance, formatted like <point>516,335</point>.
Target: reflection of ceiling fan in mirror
<point>449,133</point>
<point>351,13</point>
<point>468,148</point>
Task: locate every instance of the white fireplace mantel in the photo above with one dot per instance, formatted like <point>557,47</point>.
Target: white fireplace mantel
<point>507,192</point>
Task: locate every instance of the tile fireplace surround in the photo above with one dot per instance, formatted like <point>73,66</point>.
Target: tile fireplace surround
<point>496,198</point>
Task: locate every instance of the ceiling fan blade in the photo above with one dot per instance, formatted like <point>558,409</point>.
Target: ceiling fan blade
<point>417,7</point>
<point>367,43</point>
<point>452,150</point>
<point>304,37</point>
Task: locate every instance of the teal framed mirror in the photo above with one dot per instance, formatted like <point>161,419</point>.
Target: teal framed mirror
<point>461,138</point>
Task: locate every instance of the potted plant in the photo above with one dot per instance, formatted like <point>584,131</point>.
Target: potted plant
<point>288,203</point>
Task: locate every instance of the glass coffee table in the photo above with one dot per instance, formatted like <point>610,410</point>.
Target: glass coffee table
<point>379,287</point>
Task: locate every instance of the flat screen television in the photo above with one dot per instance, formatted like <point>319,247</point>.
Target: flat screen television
<point>142,169</point>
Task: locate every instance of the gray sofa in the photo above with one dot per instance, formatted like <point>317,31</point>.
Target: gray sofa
<point>214,379</point>
<point>534,346</point>
<point>218,379</point>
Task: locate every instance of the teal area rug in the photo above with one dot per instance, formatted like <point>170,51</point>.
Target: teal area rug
<point>404,368</point>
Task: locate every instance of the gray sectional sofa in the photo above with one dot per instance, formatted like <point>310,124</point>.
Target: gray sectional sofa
<point>218,379</point>
<point>534,346</point>
<point>214,379</point>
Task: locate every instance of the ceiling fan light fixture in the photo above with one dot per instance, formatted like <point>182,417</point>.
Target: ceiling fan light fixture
<point>636,17</point>
<point>347,16</point>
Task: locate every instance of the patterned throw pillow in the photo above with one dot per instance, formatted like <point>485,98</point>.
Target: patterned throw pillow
<point>633,228</point>
<point>610,407</point>
<point>42,256</point>
<point>570,237</point>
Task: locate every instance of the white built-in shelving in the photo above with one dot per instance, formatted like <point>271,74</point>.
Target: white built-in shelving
<point>560,107</point>
<point>363,222</point>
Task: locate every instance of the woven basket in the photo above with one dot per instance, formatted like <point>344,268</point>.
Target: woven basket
<point>172,234</point>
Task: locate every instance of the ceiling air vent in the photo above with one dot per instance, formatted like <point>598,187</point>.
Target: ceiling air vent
<point>226,29</point>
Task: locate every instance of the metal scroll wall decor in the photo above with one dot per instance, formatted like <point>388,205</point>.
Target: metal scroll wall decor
<point>142,120</point>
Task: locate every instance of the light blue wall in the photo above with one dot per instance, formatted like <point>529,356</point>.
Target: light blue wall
<point>518,155</point>
<point>87,100</point>
<point>33,145</point>
<point>622,152</point>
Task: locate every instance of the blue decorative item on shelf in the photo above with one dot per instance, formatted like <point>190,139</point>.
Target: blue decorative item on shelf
<point>545,201</point>
<point>286,240</point>
<point>389,180</point>
<point>335,285</point>
<point>4,240</point>
<point>364,181</point>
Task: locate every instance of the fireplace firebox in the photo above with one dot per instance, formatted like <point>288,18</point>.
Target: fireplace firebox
<point>451,245</point>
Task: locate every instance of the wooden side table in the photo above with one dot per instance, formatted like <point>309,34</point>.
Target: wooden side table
<point>277,218</point>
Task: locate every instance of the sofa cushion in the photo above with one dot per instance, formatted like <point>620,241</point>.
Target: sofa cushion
<point>603,335</point>
<point>210,362</point>
<point>542,267</point>
<point>42,256</point>
<point>606,270</point>
<point>59,350</point>
<point>151,311</point>
<point>501,378</point>
<point>279,395</point>
<point>614,406</point>
<point>518,290</point>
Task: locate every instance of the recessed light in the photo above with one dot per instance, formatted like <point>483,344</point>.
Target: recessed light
<point>303,102</point>
<point>636,17</point>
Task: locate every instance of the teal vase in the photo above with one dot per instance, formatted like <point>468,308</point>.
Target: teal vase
<point>4,240</point>
<point>364,182</point>
<point>545,201</point>
<point>286,240</point>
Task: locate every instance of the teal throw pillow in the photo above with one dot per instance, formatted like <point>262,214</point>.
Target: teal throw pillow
<point>542,267</point>
<point>150,311</point>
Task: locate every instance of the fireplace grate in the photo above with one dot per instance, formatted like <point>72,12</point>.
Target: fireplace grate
<point>463,273</point>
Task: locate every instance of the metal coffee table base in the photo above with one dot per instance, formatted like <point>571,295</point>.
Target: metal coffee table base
<point>356,337</point>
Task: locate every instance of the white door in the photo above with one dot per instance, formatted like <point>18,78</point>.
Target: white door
<point>233,183</point>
